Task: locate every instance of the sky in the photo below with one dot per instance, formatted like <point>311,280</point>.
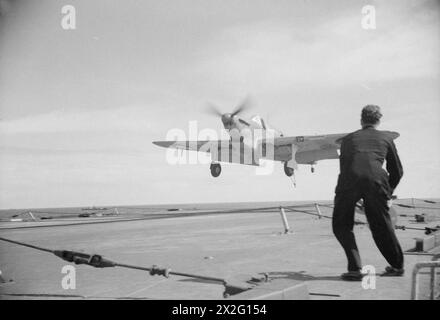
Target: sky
<point>79,108</point>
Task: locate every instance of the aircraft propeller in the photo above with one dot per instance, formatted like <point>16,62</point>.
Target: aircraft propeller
<point>227,117</point>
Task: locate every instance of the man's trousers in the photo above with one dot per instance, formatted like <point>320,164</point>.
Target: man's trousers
<point>376,211</point>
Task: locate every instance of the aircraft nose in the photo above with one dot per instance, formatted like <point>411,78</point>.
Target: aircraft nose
<point>226,119</point>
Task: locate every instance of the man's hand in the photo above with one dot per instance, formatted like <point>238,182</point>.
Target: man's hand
<point>389,203</point>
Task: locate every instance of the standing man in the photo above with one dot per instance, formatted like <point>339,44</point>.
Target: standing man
<point>362,177</point>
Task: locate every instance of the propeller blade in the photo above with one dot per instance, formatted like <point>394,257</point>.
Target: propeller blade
<point>246,104</point>
<point>213,109</point>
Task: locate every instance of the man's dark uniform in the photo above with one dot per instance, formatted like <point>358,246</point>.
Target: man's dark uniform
<point>362,177</point>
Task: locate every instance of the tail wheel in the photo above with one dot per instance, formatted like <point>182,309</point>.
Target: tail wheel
<point>216,169</point>
<point>287,170</point>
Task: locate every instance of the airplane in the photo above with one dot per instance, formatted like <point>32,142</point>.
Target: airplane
<point>290,150</point>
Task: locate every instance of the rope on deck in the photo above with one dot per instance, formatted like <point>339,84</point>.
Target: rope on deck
<point>99,261</point>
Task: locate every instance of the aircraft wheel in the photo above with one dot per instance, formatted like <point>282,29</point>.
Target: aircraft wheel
<point>216,169</point>
<point>288,171</point>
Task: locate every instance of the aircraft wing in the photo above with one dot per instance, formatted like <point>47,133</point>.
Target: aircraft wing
<point>202,145</point>
<point>317,142</point>
<point>220,150</point>
<point>306,143</point>
<point>309,149</point>
<point>209,146</point>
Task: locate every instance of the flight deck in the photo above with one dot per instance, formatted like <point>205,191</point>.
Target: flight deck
<point>235,242</point>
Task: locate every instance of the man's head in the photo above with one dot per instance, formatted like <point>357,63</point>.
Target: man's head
<point>370,116</point>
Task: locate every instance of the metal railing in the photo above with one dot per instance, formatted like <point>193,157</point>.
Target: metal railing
<point>433,281</point>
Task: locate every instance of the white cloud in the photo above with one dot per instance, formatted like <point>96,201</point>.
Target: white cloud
<point>275,56</point>
<point>126,119</point>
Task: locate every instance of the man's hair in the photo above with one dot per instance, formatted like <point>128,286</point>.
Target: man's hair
<point>371,114</point>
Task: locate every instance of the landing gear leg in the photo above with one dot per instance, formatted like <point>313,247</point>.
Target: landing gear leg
<point>293,179</point>
<point>216,169</point>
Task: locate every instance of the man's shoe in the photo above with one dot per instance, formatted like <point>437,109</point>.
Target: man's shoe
<point>393,272</point>
<point>352,276</point>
